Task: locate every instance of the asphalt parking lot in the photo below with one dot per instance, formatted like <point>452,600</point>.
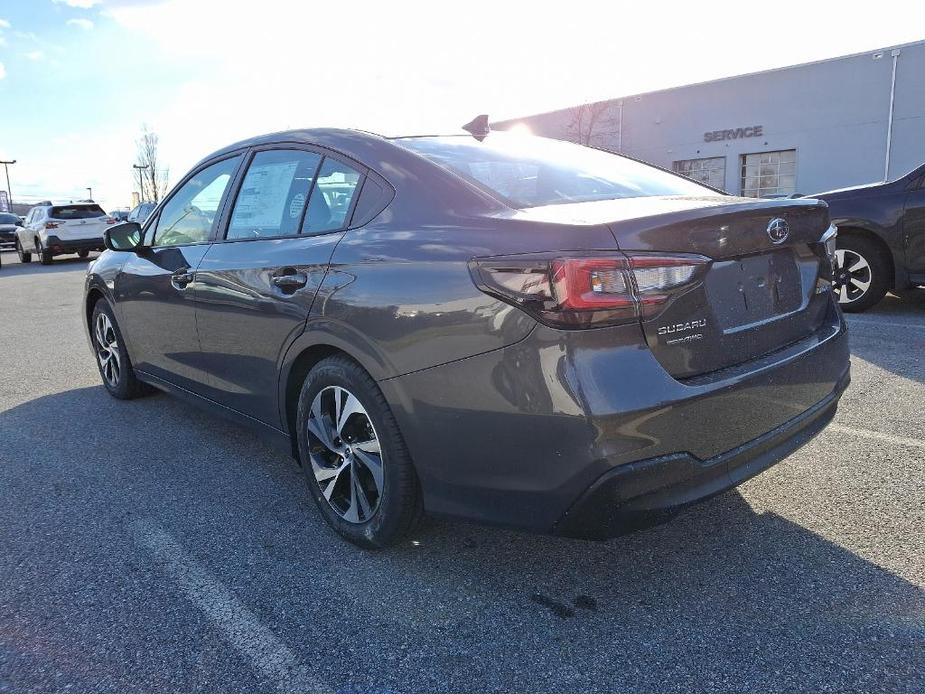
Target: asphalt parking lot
<point>146,546</point>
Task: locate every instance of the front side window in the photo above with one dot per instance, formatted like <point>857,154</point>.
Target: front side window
<point>331,198</point>
<point>769,173</point>
<point>274,194</point>
<point>711,171</point>
<point>190,213</point>
<point>527,171</point>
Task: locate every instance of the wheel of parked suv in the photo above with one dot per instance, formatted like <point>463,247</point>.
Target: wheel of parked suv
<point>83,254</point>
<point>862,274</point>
<point>43,253</point>
<point>23,256</point>
<point>111,358</point>
<point>358,468</point>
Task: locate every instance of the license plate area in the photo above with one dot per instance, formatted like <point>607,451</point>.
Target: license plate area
<point>748,291</point>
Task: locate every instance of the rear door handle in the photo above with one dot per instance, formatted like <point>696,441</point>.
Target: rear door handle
<point>290,282</point>
<point>182,277</point>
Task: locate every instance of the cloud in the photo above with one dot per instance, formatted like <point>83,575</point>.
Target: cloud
<point>2,71</point>
<point>35,55</point>
<point>4,24</point>
<point>85,24</point>
<point>82,4</point>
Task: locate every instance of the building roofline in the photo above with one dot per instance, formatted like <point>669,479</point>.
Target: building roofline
<point>626,97</point>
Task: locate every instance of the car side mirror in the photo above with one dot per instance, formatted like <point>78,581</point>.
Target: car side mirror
<point>125,236</point>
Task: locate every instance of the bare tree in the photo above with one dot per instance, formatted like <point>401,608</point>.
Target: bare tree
<point>153,179</point>
<point>594,124</point>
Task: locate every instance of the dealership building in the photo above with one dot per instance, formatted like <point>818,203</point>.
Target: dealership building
<point>802,129</point>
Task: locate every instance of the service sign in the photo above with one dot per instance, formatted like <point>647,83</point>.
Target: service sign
<point>4,201</point>
<point>734,133</point>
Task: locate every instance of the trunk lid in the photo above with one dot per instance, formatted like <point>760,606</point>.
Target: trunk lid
<point>73,229</point>
<point>77,221</point>
<point>762,290</point>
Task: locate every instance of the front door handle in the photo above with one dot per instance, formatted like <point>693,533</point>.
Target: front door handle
<point>291,281</point>
<point>182,277</point>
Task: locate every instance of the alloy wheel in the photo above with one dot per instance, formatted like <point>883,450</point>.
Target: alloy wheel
<point>852,275</point>
<point>345,454</point>
<point>107,350</point>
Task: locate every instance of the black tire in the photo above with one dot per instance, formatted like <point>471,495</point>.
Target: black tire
<point>23,256</point>
<point>43,253</point>
<point>83,254</point>
<point>399,508</point>
<point>127,386</point>
<point>877,273</point>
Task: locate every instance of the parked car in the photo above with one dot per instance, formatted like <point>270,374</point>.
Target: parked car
<point>141,212</point>
<point>52,230</point>
<point>502,328</point>
<point>881,238</point>
<point>119,215</point>
<point>8,224</point>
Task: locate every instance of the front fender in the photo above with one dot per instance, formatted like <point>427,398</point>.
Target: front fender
<point>101,278</point>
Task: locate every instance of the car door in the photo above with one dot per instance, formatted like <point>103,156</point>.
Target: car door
<point>257,283</point>
<point>914,230</point>
<point>156,289</point>
<point>35,228</point>
<point>24,232</point>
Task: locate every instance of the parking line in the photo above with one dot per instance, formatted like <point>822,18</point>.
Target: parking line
<point>876,436</point>
<point>240,627</point>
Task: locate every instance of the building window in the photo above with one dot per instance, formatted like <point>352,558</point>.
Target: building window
<point>769,173</point>
<point>711,171</point>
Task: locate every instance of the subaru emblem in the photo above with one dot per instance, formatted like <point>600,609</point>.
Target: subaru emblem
<point>778,230</point>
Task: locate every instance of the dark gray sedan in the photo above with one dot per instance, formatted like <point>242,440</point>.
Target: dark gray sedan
<point>494,326</point>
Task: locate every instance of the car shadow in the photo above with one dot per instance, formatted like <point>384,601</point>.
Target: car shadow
<point>13,268</point>
<point>721,594</point>
<point>891,335</point>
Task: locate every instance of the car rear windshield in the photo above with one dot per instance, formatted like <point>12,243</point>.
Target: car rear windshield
<point>76,212</point>
<point>528,171</point>
<point>8,218</point>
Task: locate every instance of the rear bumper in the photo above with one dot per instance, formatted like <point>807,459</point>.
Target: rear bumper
<point>649,492</point>
<point>567,431</point>
<point>58,245</point>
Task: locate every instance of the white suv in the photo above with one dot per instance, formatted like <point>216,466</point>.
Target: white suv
<point>52,230</point>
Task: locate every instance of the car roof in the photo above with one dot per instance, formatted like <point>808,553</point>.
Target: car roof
<point>362,145</point>
<point>397,165</point>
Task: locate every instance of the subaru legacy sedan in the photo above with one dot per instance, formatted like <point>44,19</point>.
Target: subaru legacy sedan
<point>489,326</point>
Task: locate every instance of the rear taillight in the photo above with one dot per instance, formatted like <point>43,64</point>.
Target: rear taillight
<point>591,290</point>
<point>111,220</point>
<point>51,225</point>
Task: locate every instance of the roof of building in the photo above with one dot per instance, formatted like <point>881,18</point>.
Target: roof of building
<point>638,95</point>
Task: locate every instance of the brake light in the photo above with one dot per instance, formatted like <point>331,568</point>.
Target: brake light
<point>591,290</point>
<point>51,225</point>
<point>111,220</point>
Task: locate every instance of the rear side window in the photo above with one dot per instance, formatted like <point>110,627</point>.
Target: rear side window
<point>274,194</point>
<point>76,212</point>
<point>374,197</point>
<point>8,218</point>
<point>526,171</point>
<point>331,197</point>
<point>187,217</point>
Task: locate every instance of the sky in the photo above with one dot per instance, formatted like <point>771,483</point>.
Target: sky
<point>79,78</point>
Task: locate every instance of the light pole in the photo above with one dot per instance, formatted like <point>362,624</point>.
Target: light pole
<point>90,193</point>
<point>141,185</point>
<point>6,168</point>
